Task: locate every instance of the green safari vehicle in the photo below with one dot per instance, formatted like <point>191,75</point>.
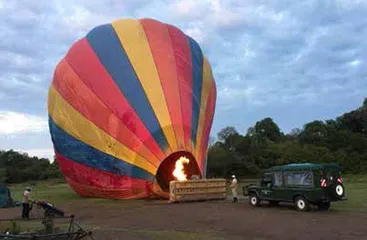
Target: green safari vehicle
<point>300,183</point>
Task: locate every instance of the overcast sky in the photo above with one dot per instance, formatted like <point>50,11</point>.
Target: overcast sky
<point>292,60</point>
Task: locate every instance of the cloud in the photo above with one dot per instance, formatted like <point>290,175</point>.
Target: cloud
<point>40,153</point>
<point>291,60</point>
<point>355,63</point>
<point>185,8</point>
<point>18,123</point>
<point>196,32</point>
<point>351,4</point>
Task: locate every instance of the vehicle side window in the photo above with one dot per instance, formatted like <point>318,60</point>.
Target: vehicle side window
<point>303,179</point>
<point>278,179</point>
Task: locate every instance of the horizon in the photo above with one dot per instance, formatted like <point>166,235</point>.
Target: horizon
<point>49,153</point>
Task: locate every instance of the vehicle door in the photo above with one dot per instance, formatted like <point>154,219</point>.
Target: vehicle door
<point>277,189</point>
<point>273,186</point>
<point>266,186</point>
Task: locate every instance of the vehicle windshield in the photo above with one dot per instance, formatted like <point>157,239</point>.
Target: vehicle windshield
<point>266,179</point>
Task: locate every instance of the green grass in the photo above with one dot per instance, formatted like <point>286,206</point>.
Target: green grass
<point>52,190</point>
<point>355,189</point>
<point>59,192</point>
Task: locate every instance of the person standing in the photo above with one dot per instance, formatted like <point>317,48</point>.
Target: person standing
<point>234,188</point>
<point>26,200</point>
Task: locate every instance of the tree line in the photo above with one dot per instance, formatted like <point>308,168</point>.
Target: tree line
<point>342,140</point>
<point>16,167</point>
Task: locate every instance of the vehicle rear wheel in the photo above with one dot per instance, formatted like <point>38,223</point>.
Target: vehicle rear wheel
<point>301,204</point>
<point>339,190</point>
<point>324,206</point>
<point>254,200</point>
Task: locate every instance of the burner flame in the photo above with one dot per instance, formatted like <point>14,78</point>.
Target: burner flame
<point>179,172</point>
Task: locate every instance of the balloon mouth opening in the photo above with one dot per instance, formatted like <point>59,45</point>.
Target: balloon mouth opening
<point>168,169</point>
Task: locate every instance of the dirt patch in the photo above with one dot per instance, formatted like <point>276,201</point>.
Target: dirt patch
<point>211,220</point>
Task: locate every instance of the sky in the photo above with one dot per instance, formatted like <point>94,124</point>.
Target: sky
<point>293,61</point>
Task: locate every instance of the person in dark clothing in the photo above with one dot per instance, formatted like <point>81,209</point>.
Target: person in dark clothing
<point>26,203</point>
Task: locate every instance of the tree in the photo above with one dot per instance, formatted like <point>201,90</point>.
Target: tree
<point>268,128</point>
<point>356,120</point>
<point>229,138</point>
<point>217,161</point>
<point>294,134</point>
<point>18,167</point>
<point>3,176</point>
<point>211,141</point>
<point>342,140</point>
<point>251,131</point>
<point>226,132</point>
<point>314,132</point>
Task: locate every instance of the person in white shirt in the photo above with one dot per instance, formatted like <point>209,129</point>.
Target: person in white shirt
<point>26,200</point>
<point>234,188</point>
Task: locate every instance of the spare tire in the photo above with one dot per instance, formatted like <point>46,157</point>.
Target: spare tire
<point>339,190</point>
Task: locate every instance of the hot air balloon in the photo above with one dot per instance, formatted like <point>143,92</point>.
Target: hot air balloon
<point>126,102</point>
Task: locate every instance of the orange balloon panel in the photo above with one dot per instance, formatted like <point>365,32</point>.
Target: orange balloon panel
<point>126,102</point>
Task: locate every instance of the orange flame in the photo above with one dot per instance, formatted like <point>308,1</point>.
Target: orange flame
<point>179,169</point>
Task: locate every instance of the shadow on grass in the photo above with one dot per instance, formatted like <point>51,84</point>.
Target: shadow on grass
<point>159,234</point>
<point>289,207</point>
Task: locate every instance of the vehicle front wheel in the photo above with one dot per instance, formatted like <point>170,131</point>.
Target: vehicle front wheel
<point>254,200</point>
<point>323,206</point>
<point>301,204</point>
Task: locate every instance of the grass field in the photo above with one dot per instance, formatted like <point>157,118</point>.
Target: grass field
<point>59,193</point>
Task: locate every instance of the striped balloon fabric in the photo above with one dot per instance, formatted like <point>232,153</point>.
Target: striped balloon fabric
<point>125,98</point>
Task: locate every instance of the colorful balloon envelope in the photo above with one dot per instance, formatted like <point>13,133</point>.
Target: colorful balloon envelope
<point>126,102</point>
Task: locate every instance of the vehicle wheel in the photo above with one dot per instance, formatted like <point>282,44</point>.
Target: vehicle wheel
<point>301,204</point>
<point>324,206</point>
<point>339,190</point>
<point>254,200</point>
